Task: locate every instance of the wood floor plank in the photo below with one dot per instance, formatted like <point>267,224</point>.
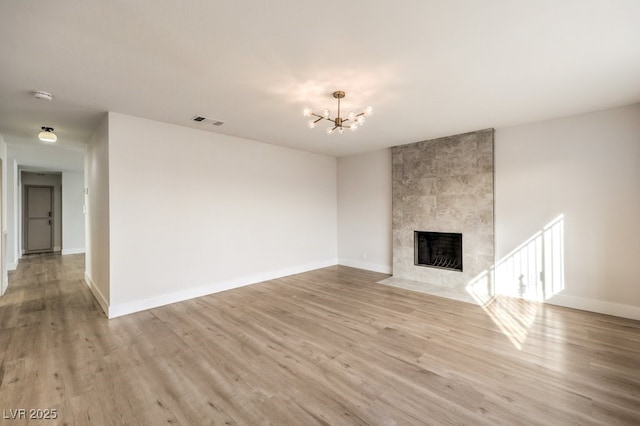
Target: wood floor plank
<point>327,347</point>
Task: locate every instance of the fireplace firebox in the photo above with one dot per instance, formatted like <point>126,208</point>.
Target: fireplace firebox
<point>438,250</point>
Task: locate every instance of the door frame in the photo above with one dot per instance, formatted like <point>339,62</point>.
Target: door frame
<point>25,219</point>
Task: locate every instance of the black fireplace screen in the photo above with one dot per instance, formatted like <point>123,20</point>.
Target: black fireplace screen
<point>438,250</point>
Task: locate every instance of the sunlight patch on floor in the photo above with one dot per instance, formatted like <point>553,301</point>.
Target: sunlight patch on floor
<point>511,293</point>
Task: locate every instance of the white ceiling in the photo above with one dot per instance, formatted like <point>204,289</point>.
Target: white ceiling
<point>428,68</point>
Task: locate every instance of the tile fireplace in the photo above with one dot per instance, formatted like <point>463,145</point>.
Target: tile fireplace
<point>443,195</point>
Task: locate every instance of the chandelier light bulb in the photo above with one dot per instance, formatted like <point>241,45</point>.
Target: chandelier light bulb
<point>326,113</point>
<point>311,124</point>
<point>360,120</point>
<point>368,111</point>
<point>340,129</point>
<point>329,130</point>
<point>351,116</point>
<point>354,127</point>
<point>307,112</point>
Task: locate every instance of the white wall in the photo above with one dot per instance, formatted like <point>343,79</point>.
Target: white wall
<point>48,179</point>
<point>3,212</point>
<point>49,157</point>
<point>13,192</point>
<point>97,217</point>
<point>364,211</point>
<point>586,169</point>
<point>194,212</point>
<point>72,212</point>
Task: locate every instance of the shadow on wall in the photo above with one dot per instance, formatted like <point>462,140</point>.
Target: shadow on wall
<point>534,272</point>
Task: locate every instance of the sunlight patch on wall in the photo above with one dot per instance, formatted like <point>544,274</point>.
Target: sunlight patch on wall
<point>535,269</point>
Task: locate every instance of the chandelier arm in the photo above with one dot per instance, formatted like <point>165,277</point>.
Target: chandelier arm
<point>318,119</point>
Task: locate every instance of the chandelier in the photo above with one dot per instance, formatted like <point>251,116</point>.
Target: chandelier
<point>47,135</point>
<point>353,120</point>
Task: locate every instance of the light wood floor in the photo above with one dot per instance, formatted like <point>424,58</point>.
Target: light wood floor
<point>324,347</point>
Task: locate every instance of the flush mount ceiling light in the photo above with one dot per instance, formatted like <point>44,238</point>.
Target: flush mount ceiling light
<point>47,135</point>
<point>353,120</point>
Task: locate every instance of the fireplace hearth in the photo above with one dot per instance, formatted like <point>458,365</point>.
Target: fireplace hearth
<point>438,250</point>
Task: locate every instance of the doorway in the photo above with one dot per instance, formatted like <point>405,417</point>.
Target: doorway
<point>47,179</point>
<point>38,219</point>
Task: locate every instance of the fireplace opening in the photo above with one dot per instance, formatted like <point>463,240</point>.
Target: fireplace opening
<point>438,250</point>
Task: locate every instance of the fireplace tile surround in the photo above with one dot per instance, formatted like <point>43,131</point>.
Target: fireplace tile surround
<point>443,185</point>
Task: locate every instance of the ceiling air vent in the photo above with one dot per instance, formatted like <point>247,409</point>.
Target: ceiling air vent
<point>204,120</point>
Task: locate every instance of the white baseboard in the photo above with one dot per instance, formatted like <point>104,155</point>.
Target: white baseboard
<point>593,305</point>
<point>12,266</point>
<point>102,301</point>
<point>203,290</point>
<point>362,264</point>
<point>73,251</point>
